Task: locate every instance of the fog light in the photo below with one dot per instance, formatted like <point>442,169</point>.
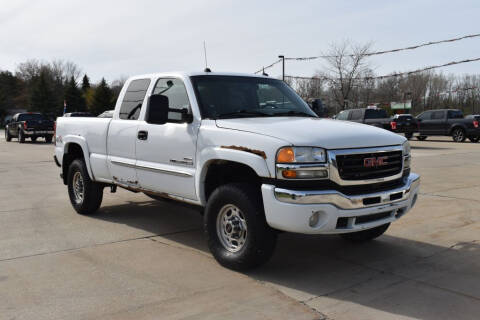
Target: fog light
<point>313,221</point>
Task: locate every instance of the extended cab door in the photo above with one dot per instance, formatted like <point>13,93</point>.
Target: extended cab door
<point>166,152</point>
<point>122,133</point>
<point>425,123</point>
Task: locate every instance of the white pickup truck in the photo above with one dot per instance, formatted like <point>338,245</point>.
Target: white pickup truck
<point>246,149</point>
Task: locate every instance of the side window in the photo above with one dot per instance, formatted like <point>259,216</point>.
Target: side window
<point>438,115</point>
<point>455,114</point>
<point>175,91</point>
<point>356,115</point>
<point>133,99</point>
<point>425,115</point>
<point>343,115</point>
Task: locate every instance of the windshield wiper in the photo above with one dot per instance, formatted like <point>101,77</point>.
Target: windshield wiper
<point>294,113</point>
<point>243,113</point>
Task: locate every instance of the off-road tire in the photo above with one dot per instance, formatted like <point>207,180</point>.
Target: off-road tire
<point>260,238</point>
<point>458,135</point>
<point>421,138</point>
<point>366,235</point>
<point>92,191</point>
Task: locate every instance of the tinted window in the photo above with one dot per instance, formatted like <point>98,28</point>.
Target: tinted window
<point>437,115</point>
<point>133,99</point>
<point>343,115</point>
<point>425,116</point>
<point>175,91</point>
<point>356,115</point>
<point>455,114</point>
<point>30,116</point>
<point>375,114</point>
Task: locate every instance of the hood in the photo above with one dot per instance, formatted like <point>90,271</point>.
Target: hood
<point>324,133</point>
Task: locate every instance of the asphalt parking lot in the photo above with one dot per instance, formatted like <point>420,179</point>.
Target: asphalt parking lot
<point>143,259</point>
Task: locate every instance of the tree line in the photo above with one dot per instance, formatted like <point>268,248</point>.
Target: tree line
<point>45,86</point>
<point>347,80</point>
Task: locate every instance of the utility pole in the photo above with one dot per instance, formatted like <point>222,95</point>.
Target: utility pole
<point>283,66</point>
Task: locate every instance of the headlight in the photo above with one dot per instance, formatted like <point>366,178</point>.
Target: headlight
<point>406,148</point>
<point>301,155</point>
<point>302,163</point>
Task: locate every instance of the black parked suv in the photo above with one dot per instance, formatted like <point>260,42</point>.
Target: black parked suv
<point>448,122</point>
<point>29,125</point>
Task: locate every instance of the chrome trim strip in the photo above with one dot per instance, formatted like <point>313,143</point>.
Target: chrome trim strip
<point>343,201</point>
<point>187,161</point>
<point>335,176</point>
<point>166,171</point>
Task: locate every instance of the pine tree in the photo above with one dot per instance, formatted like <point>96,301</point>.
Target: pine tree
<point>73,97</point>
<point>42,98</point>
<point>85,83</point>
<point>102,98</point>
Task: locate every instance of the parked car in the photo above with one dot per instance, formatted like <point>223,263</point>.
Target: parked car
<point>106,114</point>
<point>404,123</point>
<point>448,122</point>
<point>78,114</point>
<point>29,125</point>
<point>247,151</point>
<point>373,116</point>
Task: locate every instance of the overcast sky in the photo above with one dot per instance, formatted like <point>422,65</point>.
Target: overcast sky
<point>123,38</point>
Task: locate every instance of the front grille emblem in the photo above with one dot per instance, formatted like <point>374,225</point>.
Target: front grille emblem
<point>375,162</point>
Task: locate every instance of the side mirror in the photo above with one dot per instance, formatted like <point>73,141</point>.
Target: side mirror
<point>157,109</point>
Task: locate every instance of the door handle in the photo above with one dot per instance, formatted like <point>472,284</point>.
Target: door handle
<point>142,135</point>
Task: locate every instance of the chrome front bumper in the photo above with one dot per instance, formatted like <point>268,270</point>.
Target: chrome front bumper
<point>343,201</point>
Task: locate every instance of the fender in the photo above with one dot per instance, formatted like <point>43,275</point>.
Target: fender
<point>210,154</point>
<point>455,126</point>
<point>82,142</point>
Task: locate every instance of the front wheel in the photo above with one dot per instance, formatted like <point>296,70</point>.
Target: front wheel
<point>237,233</point>
<point>85,194</point>
<point>458,135</point>
<point>421,138</point>
<point>408,135</point>
<point>366,235</point>
<point>8,137</point>
<point>48,139</point>
<point>33,139</point>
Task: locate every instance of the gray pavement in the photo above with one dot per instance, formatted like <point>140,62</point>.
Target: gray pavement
<point>143,259</point>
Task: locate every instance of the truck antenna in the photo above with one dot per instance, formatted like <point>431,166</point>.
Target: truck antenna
<point>207,69</point>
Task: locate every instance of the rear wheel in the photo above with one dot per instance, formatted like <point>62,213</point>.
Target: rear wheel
<point>85,194</point>
<point>48,139</point>
<point>21,136</point>
<point>458,135</point>
<point>408,135</point>
<point>474,139</point>
<point>8,137</point>
<point>366,235</point>
<point>237,232</point>
<point>33,139</point>
<point>421,138</point>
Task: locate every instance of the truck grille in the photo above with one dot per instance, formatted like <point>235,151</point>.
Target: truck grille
<point>366,166</point>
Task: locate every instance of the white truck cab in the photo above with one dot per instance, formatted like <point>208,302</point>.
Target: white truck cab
<point>249,151</point>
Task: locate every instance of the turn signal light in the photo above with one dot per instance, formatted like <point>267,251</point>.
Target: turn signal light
<point>285,155</point>
<point>289,174</point>
<point>393,124</point>
<point>25,125</point>
<point>475,123</point>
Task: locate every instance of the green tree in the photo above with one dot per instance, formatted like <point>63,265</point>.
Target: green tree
<point>102,98</point>
<point>42,98</point>
<point>85,83</point>
<point>73,97</point>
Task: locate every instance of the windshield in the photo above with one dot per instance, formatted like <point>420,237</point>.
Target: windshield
<point>31,116</point>
<point>375,114</point>
<point>222,97</point>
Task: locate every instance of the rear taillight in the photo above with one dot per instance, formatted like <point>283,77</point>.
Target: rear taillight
<point>393,124</point>
<point>475,123</point>
<point>25,125</point>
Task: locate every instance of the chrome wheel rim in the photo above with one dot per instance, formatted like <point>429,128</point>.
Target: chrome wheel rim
<point>458,135</point>
<point>78,187</point>
<point>231,228</point>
